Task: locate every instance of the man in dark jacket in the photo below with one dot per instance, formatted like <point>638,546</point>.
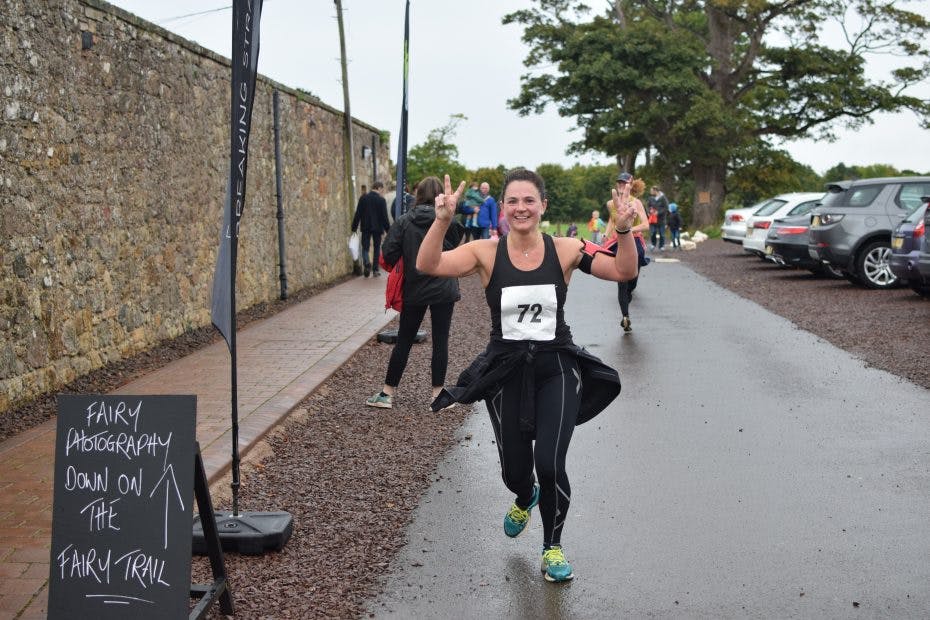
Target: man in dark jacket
<point>371,215</point>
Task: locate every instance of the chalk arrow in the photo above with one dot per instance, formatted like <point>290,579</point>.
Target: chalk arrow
<point>168,478</point>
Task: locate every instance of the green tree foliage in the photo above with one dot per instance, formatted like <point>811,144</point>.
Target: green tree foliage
<point>700,83</point>
<point>842,172</point>
<point>760,172</point>
<point>574,192</point>
<point>437,155</point>
<point>492,176</point>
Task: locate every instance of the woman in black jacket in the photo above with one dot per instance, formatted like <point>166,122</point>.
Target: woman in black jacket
<point>420,291</point>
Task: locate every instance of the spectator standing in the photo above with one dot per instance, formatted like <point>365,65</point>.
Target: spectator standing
<point>371,216</point>
<point>503,227</point>
<point>572,230</point>
<point>473,200</point>
<point>653,220</point>
<point>406,203</point>
<point>487,213</point>
<point>659,202</point>
<point>420,292</point>
<point>595,226</point>
<point>469,210</point>
<point>674,225</point>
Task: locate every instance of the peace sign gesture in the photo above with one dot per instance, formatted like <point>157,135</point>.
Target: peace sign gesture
<point>447,200</point>
<point>624,206</point>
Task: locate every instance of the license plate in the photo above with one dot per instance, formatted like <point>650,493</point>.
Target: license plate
<point>815,221</point>
<point>897,243</point>
<point>769,250</point>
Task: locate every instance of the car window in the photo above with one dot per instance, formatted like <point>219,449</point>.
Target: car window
<point>804,207</point>
<point>917,215</point>
<point>853,197</point>
<point>909,196</point>
<point>770,207</point>
<point>863,196</point>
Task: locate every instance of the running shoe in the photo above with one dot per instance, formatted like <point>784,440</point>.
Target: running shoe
<point>625,324</point>
<point>382,400</point>
<point>516,518</point>
<point>554,565</point>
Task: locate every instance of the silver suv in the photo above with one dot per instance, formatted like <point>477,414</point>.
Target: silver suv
<point>851,227</point>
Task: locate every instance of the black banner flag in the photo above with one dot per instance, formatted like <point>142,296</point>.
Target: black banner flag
<point>246,17</point>
<point>399,206</point>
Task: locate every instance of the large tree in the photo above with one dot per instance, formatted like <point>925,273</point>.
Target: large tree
<point>437,155</point>
<point>696,83</point>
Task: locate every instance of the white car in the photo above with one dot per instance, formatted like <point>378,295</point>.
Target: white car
<point>734,222</point>
<point>783,205</point>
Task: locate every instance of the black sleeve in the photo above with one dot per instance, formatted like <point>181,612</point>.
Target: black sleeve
<point>392,247</point>
<point>382,214</point>
<point>453,236</point>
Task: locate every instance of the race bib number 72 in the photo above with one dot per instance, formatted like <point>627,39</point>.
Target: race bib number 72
<point>528,312</point>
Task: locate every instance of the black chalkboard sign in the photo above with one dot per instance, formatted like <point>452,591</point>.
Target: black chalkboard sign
<point>122,511</point>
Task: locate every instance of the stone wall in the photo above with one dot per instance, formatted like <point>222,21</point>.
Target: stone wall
<point>114,154</point>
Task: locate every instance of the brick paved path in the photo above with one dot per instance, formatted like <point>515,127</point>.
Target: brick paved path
<point>281,360</point>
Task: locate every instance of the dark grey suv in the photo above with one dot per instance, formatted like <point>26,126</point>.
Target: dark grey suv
<point>851,227</point>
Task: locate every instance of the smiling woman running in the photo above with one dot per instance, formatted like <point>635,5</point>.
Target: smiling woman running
<point>538,385</point>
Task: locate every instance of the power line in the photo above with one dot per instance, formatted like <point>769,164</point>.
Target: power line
<point>177,17</point>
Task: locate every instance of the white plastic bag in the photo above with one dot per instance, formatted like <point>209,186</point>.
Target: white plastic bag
<point>355,245</point>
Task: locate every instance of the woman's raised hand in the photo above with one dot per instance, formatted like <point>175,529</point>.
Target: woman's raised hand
<point>624,206</point>
<point>447,200</point>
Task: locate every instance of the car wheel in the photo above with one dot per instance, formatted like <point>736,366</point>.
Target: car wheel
<point>873,268</point>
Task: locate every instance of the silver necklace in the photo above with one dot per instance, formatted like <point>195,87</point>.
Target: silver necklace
<point>526,253</point>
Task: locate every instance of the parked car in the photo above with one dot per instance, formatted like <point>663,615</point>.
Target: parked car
<point>734,222</point>
<point>851,228</point>
<point>923,260</point>
<point>786,244</point>
<point>783,205</point>
<point>907,242</point>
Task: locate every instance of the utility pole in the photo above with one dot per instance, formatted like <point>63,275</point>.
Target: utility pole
<point>349,142</point>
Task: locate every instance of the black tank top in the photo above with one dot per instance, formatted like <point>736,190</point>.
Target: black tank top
<point>528,305</point>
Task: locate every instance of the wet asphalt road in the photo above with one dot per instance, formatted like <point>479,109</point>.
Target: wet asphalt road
<point>748,469</point>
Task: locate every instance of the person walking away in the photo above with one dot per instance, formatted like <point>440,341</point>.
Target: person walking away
<point>659,202</point>
<point>420,292</point>
<point>640,225</point>
<point>538,385</point>
<point>674,225</point>
<point>487,212</point>
<point>372,216</point>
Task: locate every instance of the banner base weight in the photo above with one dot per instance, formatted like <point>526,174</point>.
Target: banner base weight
<point>250,533</point>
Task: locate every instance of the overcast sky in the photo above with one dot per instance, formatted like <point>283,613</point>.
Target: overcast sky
<point>462,60</point>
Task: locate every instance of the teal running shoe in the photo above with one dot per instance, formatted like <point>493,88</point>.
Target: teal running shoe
<point>516,518</point>
<point>381,400</point>
<point>555,566</point>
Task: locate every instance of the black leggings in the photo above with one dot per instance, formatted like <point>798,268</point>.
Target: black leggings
<point>625,295</point>
<point>410,319</point>
<point>557,400</point>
